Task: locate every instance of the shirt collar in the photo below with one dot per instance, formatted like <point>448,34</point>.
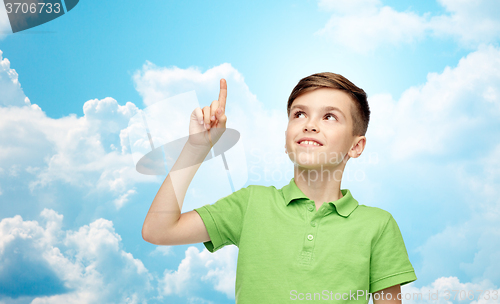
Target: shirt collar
<point>344,206</point>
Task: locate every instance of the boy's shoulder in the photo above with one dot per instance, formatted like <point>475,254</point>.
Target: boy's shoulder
<point>373,215</point>
<point>373,211</point>
<point>262,188</point>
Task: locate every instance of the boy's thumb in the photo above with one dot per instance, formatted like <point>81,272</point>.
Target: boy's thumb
<point>221,117</point>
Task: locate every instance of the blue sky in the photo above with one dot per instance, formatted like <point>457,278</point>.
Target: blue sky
<point>72,205</point>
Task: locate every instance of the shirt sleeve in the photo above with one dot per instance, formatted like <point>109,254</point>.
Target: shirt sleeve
<point>389,262</point>
<point>224,219</point>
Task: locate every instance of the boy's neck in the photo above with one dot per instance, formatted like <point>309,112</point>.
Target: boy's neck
<point>320,189</point>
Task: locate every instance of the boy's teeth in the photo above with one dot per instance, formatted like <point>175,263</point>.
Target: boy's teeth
<point>308,142</point>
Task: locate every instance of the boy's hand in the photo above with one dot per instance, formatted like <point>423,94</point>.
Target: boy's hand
<point>213,121</point>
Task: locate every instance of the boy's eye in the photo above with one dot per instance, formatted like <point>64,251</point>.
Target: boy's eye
<point>329,114</point>
<point>297,113</point>
<point>301,112</point>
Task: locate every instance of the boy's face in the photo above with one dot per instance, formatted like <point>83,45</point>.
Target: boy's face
<point>332,127</point>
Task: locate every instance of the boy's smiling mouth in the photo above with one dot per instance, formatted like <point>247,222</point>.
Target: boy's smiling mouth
<point>309,143</point>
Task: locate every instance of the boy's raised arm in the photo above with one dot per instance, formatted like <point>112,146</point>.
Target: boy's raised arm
<point>164,223</point>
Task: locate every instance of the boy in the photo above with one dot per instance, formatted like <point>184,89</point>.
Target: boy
<point>309,240</point>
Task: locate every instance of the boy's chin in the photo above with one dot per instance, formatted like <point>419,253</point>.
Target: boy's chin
<point>314,165</point>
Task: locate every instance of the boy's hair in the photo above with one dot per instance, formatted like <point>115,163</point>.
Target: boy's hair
<point>361,113</point>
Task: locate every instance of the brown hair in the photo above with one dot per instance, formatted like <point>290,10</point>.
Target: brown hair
<point>361,113</point>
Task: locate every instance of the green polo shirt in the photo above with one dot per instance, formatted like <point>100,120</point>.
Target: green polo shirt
<point>289,252</point>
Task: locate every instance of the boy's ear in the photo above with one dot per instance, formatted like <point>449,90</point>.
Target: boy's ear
<point>358,148</point>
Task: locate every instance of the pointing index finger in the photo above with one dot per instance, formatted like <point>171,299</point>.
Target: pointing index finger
<point>223,94</point>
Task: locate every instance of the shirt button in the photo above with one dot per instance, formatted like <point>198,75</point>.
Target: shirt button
<point>310,208</point>
<point>313,223</point>
<point>310,237</point>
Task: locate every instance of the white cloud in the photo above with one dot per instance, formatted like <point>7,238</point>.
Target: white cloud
<point>218,269</point>
<point>86,152</point>
<point>196,300</point>
<point>483,176</point>
<point>162,251</point>
<point>83,266</point>
<point>471,245</point>
<point>156,83</point>
<point>4,23</point>
<point>12,93</point>
<point>471,22</point>
<point>72,150</point>
<point>123,199</point>
<point>469,248</point>
<point>372,26</point>
<point>348,6</point>
<point>444,289</point>
<point>454,113</point>
<point>364,25</point>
